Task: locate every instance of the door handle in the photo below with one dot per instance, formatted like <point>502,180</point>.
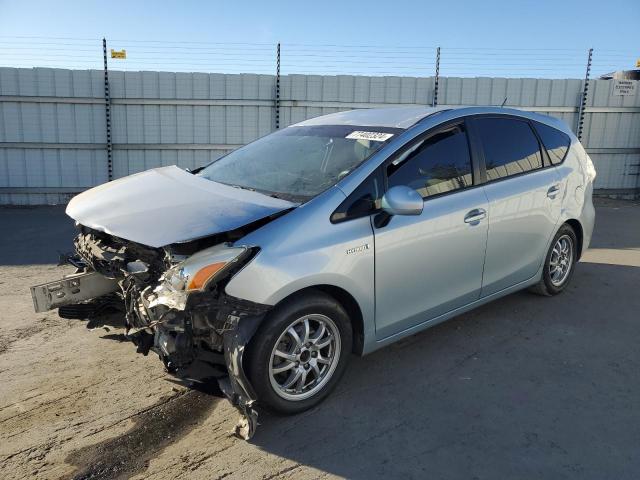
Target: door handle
<point>553,191</point>
<point>475,215</point>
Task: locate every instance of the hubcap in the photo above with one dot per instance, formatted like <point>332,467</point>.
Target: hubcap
<point>561,260</point>
<point>304,357</point>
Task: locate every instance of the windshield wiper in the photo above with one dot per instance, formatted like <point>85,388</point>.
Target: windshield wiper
<point>241,187</point>
<point>291,197</point>
<point>280,196</point>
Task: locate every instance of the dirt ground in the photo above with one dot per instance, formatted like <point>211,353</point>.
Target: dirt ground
<point>526,387</point>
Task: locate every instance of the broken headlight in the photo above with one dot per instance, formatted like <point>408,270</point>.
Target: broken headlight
<point>202,268</point>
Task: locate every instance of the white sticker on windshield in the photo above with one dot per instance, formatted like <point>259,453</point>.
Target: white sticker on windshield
<point>375,136</point>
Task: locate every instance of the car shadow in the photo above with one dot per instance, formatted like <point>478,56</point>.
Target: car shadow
<point>117,337</point>
<point>525,386</point>
<point>154,428</point>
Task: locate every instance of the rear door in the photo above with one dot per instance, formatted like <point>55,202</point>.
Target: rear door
<point>524,197</point>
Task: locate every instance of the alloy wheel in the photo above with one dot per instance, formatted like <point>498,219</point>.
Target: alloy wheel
<point>561,260</point>
<point>304,357</point>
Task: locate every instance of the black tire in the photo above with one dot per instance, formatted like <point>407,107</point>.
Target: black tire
<point>546,286</point>
<point>259,352</point>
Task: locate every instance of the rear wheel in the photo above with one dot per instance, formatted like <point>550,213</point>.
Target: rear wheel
<point>299,353</point>
<point>559,263</point>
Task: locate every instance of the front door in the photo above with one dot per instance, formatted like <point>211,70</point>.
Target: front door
<point>429,264</point>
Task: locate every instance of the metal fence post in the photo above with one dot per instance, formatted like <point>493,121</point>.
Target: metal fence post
<point>437,79</point>
<point>277,99</point>
<point>107,111</point>
<point>583,100</point>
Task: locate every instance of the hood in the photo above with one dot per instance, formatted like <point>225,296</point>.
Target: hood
<point>168,205</point>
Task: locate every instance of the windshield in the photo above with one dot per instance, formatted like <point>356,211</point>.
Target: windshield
<point>298,162</point>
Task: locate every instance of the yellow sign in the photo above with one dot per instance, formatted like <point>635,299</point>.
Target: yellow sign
<point>121,54</point>
<point>638,63</point>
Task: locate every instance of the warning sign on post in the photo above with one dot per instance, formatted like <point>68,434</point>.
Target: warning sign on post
<point>118,54</point>
<point>624,87</point>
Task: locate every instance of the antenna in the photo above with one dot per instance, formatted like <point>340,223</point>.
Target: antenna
<point>504,101</point>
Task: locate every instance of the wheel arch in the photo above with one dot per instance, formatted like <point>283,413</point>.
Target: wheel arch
<point>348,302</point>
<point>577,228</point>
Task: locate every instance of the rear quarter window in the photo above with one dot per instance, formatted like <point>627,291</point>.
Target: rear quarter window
<point>555,142</point>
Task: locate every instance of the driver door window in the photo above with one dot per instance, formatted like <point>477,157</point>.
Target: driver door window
<point>436,240</point>
<point>435,165</point>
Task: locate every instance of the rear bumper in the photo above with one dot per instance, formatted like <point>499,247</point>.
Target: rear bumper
<point>587,218</point>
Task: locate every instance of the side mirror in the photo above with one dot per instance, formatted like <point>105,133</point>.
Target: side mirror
<point>402,200</point>
<point>399,200</point>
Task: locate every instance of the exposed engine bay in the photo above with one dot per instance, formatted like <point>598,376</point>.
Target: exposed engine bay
<point>178,311</point>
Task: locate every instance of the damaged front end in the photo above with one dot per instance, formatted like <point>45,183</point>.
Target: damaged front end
<point>175,305</point>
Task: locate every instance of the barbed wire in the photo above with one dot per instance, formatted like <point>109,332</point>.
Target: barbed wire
<point>307,58</point>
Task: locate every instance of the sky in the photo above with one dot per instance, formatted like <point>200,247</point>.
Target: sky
<point>489,37</point>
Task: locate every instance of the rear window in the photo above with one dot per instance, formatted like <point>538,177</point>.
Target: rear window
<point>555,142</point>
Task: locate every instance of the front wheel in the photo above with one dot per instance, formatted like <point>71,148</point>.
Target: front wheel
<point>299,353</point>
<point>559,263</point>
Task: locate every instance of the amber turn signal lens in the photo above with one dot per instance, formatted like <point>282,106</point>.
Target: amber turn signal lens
<point>203,275</point>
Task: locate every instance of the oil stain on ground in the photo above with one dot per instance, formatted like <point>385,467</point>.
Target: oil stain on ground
<point>154,429</point>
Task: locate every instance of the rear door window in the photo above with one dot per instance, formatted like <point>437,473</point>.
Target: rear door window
<point>555,142</point>
<point>510,147</point>
<point>438,164</point>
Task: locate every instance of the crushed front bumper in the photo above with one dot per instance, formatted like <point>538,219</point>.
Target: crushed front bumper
<point>71,289</point>
<point>235,321</point>
<point>202,339</point>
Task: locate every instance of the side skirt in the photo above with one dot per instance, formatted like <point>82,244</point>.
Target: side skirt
<point>370,347</point>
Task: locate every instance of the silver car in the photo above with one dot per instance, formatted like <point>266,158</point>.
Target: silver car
<point>267,268</point>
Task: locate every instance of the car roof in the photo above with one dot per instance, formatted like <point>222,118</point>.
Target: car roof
<point>394,117</point>
<point>405,117</point>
